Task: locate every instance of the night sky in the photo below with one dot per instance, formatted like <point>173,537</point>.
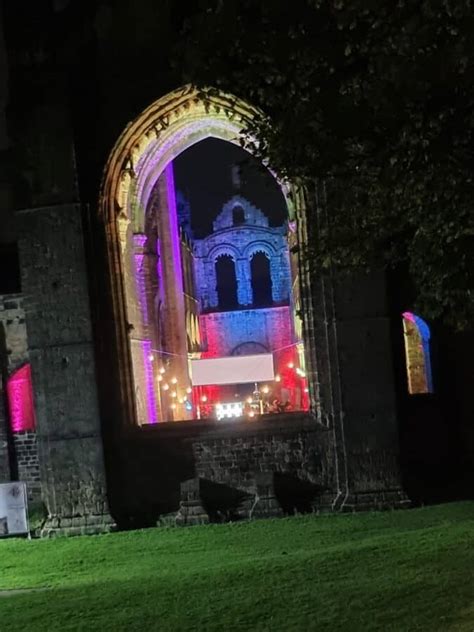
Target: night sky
<point>203,173</point>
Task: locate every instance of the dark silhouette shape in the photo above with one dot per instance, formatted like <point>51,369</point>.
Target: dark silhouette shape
<point>226,282</point>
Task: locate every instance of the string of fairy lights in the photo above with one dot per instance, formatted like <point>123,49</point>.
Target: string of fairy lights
<point>254,404</point>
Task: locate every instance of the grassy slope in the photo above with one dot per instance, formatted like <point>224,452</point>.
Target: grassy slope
<point>411,570</point>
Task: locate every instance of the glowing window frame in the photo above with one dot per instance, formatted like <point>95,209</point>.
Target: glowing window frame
<point>417,336</point>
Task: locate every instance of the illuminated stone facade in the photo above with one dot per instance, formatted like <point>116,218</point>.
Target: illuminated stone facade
<point>104,279</point>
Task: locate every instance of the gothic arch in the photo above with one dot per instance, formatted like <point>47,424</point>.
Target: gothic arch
<point>140,156</point>
<point>164,130</point>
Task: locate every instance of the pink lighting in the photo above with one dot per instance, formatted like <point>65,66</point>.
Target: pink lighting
<point>20,400</point>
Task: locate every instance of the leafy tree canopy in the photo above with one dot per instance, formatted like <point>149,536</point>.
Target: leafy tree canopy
<point>375,98</point>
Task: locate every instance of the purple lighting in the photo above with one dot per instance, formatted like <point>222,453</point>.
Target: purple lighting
<point>173,225</point>
<point>146,345</point>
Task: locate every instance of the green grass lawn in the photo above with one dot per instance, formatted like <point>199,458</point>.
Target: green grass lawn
<point>405,570</point>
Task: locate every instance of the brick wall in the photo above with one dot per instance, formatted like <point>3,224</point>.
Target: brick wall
<point>27,463</point>
<point>14,354</point>
<point>236,461</point>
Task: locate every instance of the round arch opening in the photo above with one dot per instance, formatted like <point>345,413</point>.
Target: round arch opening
<point>149,269</point>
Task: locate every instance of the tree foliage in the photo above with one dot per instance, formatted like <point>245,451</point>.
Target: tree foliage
<point>375,98</point>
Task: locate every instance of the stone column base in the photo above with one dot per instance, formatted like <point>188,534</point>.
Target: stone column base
<point>266,504</point>
<point>77,525</point>
<point>191,510</point>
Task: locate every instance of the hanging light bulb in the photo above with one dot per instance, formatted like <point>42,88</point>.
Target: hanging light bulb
<point>265,390</point>
<point>174,394</point>
<point>162,370</point>
<point>189,390</point>
<point>204,398</point>
<point>160,378</point>
<point>277,378</point>
<point>165,387</point>
<point>251,414</point>
<point>173,406</point>
<point>151,357</point>
<point>181,400</point>
<point>174,380</point>
<point>291,365</point>
<point>306,390</point>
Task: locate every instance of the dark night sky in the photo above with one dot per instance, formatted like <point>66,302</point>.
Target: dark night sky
<point>204,174</point>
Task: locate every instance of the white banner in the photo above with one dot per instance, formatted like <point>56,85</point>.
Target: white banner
<point>233,370</point>
<point>13,509</point>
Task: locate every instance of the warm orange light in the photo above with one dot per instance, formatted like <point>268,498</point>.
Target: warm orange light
<point>165,387</point>
<point>189,390</point>
<point>251,414</point>
<point>291,365</point>
<point>181,400</point>
<point>204,398</point>
<point>249,400</point>
<point>306,390</point>
<point>160,378</point>
<point>174,380</point>
<point>173,406</point>
<point>265,389</point>
<point>277,378</point>
<point>151,357</point>
<point>162,369</point>
<point>174,394</point>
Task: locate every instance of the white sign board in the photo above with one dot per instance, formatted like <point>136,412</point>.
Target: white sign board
<point>233,370</point>
<point>13,509</point>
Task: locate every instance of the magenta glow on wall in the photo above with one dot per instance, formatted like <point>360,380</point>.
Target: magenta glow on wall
<point>20,400</point>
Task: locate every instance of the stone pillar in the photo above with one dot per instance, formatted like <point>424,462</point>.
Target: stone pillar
<point>210,281</point>
<point>174,317</point>
<point>349,368</point>
<point>56,303</point>
<point>5,469</point>
<point>244,281</point>
<point>275,275</point>
<point>244,286</point>
<point>141,338</point>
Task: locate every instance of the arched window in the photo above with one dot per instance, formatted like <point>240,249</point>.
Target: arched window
<point>418,357</point>
<point>261,280</point>
<point>238,216</point>
<point>226,282</point>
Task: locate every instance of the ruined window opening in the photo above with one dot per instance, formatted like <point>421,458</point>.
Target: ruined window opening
<point>238,216</point>
<point>261,280</point>
<point>417,336</point>
<point>166,323</point>
<point>226,282</point>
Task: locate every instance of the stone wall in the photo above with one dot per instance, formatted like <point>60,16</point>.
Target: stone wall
<point>18,452</point>
<point>27,463</point>
<point>223,332</point>
<point>296,452</point>
<point>5,464</point>
<point>55,285</point>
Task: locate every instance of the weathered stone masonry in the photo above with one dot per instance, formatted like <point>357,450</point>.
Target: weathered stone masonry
<point>18,450</point>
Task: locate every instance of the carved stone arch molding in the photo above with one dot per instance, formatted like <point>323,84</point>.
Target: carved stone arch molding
<point>260,246</point>
<point>222,250</point>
